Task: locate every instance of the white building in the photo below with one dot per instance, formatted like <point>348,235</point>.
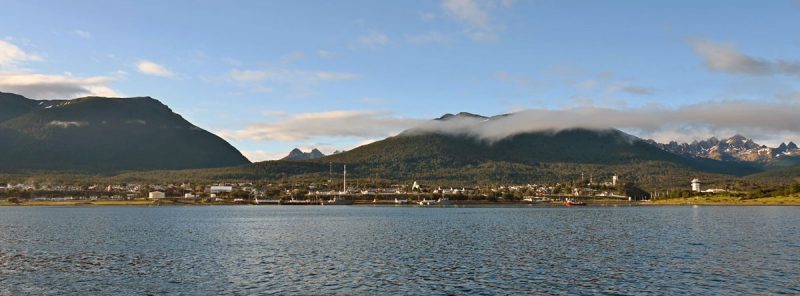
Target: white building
<point>156,195</point>
<point>696,185</point>
<point>221,189</point>
<point>614,180</point>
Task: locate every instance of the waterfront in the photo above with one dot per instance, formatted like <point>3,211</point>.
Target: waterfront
<point>399,250</point>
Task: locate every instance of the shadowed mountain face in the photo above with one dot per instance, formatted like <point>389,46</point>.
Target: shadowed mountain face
<point>95,134</point>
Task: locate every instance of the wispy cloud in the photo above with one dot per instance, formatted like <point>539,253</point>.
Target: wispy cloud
<point>151,68</point>
<point>40,86</point>
<point>302,81</point>
<point>333,76</point>
<point>83,34</point>
<point>373,40</point>
<point>11,55</point>
<point>250,75</point>
<point>427,38</point>
<point>293,57</point>
<point>325,53</point>
<point>631,89</point>
<point>337,124</point>
<point>476,16</point>
<point>726,58</point>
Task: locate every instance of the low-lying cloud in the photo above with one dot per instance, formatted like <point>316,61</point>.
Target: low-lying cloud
<point>761,120</point>
<point>41,86</point>
<point>767,122</point>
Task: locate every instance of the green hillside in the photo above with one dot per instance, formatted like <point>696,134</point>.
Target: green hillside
<point>95,134</point>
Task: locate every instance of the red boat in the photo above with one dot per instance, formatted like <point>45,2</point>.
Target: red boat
<point>570,202</point>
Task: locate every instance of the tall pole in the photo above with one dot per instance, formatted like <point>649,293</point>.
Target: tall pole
<point>345,180</point>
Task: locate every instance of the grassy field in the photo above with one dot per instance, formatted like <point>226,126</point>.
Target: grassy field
<point>727,200</point>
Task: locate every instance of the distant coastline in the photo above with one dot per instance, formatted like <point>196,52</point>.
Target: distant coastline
<point>707,201</point>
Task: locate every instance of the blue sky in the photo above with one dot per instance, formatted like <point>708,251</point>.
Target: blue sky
<point>273,75</point>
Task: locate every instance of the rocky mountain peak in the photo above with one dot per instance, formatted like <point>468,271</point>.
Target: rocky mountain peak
<point>737,148</point>
<point>297,155</point>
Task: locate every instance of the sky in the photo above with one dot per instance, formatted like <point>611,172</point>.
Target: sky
<point>269,76</point>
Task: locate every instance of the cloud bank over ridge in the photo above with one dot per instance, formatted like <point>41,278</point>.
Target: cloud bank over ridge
<point>768,122</point>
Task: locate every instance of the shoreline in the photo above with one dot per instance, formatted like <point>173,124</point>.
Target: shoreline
<point>694,201</point>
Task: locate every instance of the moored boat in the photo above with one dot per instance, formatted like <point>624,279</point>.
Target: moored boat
<point>571,202</point>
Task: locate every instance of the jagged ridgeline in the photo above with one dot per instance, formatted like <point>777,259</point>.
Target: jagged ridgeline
<point>95,134</point>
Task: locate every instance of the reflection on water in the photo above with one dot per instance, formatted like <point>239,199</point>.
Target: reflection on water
<point>399,250</point>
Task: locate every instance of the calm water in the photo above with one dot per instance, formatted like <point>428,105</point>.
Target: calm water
<point>403,250</point>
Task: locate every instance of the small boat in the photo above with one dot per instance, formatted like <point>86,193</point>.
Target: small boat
<point>375,200</point>
<point>426,202</point>
<point>337,201</point>
<point>400,201</point>
<point>571,202</point>
<point>444,201</point>
<point>298,202</point>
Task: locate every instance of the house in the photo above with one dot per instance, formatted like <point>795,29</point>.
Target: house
<point>156,195</point>
<point>221,189</point>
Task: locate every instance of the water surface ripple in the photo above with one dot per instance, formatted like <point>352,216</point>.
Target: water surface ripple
<point>399,250</point>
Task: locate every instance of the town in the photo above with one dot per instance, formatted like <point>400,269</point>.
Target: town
<point>357,191</point>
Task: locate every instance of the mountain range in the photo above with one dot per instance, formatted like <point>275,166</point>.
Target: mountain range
<point>96,134</point>
<point>297,154</point>
<point>736,148</point>
<point>109,135</point>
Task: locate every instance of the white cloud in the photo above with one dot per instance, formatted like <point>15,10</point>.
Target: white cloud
<point>468,11</point>
<point>338,124</point>
<point>766,122</point>
<point>760,120</point>
<point>301,81</point>
<point>261,155</point>
<point>40,86</point>
<point>274,113</point>
<point>332,76</point>
<point>151,68</point>
<point>83,34</point>
<point>725,57</point>
<point>373,40</point>
<point>292,57</point>
<point>476,15</point>
<point>428,16</point>
<point>250,75</point>
<point>325,54</point>
<point>427,38</point>
<point>11,55</point>
<point>630,89</point>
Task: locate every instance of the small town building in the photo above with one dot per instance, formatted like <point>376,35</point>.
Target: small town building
<point>696,185</point>
<point>221,189</point>
<point>156,195</point>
